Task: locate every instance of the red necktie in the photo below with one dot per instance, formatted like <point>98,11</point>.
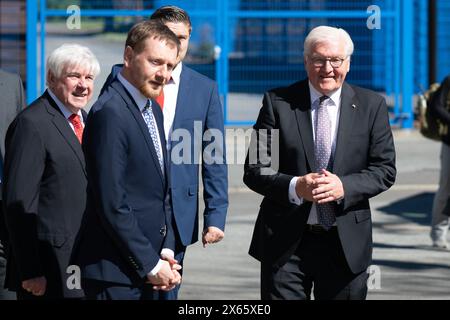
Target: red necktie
<point>160,99</point>
<point>76,122</point>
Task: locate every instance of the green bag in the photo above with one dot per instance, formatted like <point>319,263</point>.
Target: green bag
<point>430,126</point>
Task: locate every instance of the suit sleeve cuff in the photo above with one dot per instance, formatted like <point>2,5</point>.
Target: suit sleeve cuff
<point>293,197</point>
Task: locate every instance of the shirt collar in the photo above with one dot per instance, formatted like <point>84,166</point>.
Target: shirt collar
<point>176,73</point>
<point>138,97</point>
<point>315,95</point>
<point>65,111</point>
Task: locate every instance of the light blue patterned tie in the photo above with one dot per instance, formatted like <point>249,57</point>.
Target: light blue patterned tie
<point>322,149</point>
<point>151,124</point>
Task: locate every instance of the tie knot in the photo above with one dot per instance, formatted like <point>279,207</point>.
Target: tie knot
<point>148,105</point>
<point>75,119</point>
<point>322,99</point>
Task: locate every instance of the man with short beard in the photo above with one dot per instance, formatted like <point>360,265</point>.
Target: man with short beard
<point>189,99</point>
<point>128,223</point>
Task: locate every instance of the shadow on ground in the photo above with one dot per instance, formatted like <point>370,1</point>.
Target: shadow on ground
<point>409,265</point>
<point>415,208</point>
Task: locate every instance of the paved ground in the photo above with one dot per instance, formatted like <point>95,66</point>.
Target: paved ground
<point>409,267</point>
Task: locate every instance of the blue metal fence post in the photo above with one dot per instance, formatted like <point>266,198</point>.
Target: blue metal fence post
<point>407,62</point>
<point>397,58</point>
<point>389,49</point>
<point>43,17</point>
<point>31,47</point>
<point>421,45</point>
<point>225,57</point>
<point>222,62</point>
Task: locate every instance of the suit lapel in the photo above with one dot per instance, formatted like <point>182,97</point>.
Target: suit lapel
<point>349,106</point>
<point>159,118</point>
<point>64,128</point>
<point>304,123</point>
<point>131,105</point>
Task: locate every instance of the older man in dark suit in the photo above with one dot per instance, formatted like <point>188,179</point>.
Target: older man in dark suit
<point>336,151</point>
<point>45,178</point>
<point>12,101</point>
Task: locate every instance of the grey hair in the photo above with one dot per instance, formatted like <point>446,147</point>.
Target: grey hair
<point>72,55</point>
<point>325,34</point>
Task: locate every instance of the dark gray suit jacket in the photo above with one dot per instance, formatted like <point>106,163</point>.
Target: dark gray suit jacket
<point>11,102</point>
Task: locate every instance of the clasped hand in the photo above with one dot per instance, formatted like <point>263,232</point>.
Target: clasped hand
<point>168,276</point>
<point>320,187</point>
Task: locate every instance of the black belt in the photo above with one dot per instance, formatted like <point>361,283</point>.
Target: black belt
<point>318,229</point>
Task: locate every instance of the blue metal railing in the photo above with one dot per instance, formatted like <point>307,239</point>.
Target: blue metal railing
<point>247,62</point>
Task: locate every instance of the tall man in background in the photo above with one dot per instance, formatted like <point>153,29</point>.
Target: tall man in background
<point>12,101</point>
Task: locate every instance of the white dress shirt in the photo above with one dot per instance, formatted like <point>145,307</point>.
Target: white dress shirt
<point>170,102</point>
<point>333,106</point>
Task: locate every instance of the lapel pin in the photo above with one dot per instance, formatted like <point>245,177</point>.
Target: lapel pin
<point>353,106</point>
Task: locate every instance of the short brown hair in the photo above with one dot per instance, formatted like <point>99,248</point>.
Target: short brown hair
<point>150,29</point>
<point>172,14</point>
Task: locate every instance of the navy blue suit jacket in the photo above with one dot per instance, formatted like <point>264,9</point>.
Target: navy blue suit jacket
<point>128,219</point>
<point>198,104</point>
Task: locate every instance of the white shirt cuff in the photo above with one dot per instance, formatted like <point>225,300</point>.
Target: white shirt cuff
<point>164,252</point>
<point>167,252</point>
<point>156,269</point>
<point>293,197</point>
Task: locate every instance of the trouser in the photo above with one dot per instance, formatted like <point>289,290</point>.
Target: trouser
<point>318,265</point>
<point>439,220</point>
<point>101,290</point>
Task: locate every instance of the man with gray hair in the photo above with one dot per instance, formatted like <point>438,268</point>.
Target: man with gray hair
<point>44,187</point>
<point>336,151</point>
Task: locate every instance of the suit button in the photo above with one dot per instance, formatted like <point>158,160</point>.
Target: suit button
<point>163,231</point>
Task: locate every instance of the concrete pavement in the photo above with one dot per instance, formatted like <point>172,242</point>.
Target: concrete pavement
<point>409,267</point>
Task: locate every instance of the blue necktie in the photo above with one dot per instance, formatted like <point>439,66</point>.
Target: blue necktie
<point>151,124</point>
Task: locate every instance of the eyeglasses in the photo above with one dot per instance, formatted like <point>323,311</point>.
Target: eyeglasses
<point>335,62</point>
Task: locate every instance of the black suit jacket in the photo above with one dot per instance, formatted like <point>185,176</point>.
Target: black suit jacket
<point>128,219</point>
<point>11,103</point>
<point>364,160</point>
<point>44,194</point>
